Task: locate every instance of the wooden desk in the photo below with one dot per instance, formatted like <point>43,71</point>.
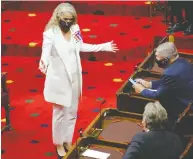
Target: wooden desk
<point>108,121</point>
<point>115,149</point>
<point>128,100</point>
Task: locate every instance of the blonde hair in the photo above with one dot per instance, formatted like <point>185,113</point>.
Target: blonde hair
<point>58,13</point>
<point>154,115</point>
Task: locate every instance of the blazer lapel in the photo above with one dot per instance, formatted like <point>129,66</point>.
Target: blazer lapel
<point>60,47</point>
<point>77,42</point>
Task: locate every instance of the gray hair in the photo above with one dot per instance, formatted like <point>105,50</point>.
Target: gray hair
<point>154,115</point>
<point>59,12</point>
<point>167,49</point>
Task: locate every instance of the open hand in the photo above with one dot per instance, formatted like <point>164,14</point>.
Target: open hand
<point>114,47</point>
<point>42,67</point>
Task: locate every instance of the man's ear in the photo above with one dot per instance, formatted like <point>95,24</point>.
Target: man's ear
<point>144,123</point>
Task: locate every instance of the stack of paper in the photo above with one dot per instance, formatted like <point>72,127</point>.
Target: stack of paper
<point>95,154</point>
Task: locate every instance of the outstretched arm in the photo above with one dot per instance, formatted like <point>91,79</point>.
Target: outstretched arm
<point>109,46</point>
<point>164,86</point>
<point>84,47</point>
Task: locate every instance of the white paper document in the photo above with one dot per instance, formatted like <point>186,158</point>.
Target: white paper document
<point>132,81</point>
<point>96,154</point>
<point>153,90</point>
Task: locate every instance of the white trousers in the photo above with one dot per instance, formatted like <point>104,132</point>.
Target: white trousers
<point>64,118</point>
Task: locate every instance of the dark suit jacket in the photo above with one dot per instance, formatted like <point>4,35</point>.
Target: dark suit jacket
<point>175,88</point>
<point>158,144</point>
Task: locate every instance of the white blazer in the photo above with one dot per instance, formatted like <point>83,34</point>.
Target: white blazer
<point>53,63</point>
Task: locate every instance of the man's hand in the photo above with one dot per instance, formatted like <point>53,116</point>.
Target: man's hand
<point>143,127</point>
<point>138,88</point>
<point>144,83</point>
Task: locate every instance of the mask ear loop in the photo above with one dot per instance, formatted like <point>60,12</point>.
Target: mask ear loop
<point>167,59</point>
<point>171,56</point>
<point>57,18</point>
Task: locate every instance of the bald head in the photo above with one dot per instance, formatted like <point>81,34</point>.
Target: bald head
<point>167,49</point>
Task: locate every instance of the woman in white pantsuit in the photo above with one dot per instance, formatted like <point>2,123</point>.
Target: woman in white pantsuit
<point>60,62</point>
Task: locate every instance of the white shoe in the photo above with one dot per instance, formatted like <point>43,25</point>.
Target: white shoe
<point>60,151</point>
<point>67,146</point>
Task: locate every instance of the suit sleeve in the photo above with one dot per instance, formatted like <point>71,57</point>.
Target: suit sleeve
<point>155,84</point>
<point>46,52</point>
<point>84,47</point>
<point>96,47</point>
<point>134,149</point>
<point>166,84</point>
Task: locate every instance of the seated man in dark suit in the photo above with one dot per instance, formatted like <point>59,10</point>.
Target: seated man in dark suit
<point>155,142</point>
<point>175,88</point>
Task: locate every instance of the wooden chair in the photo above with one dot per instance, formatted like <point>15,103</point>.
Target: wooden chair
<point>186,113</point>
<point>5,100</point>
<point>186,154</point>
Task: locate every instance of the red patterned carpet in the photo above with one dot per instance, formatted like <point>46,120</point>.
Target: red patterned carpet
<point>30,114</point>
